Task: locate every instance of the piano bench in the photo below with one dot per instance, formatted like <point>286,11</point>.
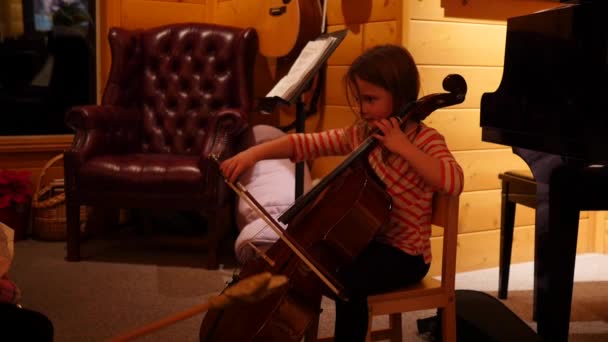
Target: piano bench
<point>518,187</point>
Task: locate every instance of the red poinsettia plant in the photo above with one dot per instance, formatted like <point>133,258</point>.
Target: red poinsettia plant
<point>15,188</point>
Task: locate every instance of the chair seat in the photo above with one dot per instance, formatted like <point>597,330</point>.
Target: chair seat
<point>519,186</point>
<point>427,294</point>
<point>387,302</point>
<point>525,174</point>
<point>143,172</point>
<point>409,291</point>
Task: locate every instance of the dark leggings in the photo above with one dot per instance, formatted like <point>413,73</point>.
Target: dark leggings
<point>379,268</point>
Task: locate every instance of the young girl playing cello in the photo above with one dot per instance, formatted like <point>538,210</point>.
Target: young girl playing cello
<point>413,163</point>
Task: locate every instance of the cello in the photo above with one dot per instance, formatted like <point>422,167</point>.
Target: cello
<point>326,229</point>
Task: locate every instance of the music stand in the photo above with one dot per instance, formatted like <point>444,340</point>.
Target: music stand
<point>289,89</point>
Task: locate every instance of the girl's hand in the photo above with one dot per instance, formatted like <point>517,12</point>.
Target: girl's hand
<point>233,167</point>
<point>393,138</point>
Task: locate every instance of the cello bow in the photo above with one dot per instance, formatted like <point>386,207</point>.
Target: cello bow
<point>250,290</point>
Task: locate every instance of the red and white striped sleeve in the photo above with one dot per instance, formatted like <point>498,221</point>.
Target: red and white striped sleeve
<point>307,146</point>
<point>452,176</point>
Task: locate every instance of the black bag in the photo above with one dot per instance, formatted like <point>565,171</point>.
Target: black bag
<point>481,317</point>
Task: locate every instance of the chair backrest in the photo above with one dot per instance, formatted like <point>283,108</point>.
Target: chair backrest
<point>445,215</point>
<point>180,77</point>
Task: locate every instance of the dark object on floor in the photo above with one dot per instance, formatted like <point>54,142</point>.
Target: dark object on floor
<point>20,324</point>
<point>481,317</point>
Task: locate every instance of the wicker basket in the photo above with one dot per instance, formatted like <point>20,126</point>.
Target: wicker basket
<point>48,208</point>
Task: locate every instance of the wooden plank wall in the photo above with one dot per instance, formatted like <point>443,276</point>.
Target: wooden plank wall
<point>11,19</point>
<point>468,38</point>
<point>370,23</point>
<point>444,36</point>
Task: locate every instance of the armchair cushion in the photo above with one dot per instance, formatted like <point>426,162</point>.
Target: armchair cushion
<point>144,172</point>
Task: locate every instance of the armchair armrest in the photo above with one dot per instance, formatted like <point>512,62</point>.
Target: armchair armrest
<point>228,125</point>
<point>102,129</point>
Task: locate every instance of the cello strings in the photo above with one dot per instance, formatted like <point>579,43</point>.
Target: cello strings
<point>244,194</point>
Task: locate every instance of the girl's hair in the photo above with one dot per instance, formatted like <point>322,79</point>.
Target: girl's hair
<point>390,67</point>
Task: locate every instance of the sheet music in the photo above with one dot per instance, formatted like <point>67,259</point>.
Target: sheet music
<point>306,61</point>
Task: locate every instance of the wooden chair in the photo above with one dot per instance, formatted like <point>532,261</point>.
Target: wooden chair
<point>518,187</point>
<point>428,294</point>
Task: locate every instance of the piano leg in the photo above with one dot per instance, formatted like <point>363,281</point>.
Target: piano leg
<point>541,226</point>
<point>507,214</point>
<point>556,255</point>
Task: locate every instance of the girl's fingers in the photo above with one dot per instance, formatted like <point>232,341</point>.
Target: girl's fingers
<point>379,137</point>
<point>234,174</point>
<point>228,169</point>
<point>381,126</point>
<point>382,123</point>
<point>394,121</point>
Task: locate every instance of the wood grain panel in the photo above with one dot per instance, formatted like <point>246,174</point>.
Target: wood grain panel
<point>319,168</point>
<point>479,80</point>
<point>145,14</point>
<point>480,210</point>
<point>11,18</point>
<point>33,143</point>
<point>481,249</point>
<point>363,11</point>
<point>446,43</point>
<point>187,1</point>
<point>26,160</point>
<point>460,128</point>
<point>382,32</point>
<point>476,11</point>
<point>348,50</point>
<point>334,92</point>
<point>481,167</point>
<point>340,117</point>
<point>233,12</point>
<point>601,242</point>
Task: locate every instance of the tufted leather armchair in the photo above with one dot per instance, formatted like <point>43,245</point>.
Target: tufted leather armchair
<point>174,95</point>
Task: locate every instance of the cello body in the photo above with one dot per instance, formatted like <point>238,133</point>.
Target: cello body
<point>336,227</point>
<point>333,223</point>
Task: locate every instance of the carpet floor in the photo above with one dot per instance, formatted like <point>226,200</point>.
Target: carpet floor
<point>123,284</point>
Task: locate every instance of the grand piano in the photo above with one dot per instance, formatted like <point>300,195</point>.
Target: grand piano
<point>552,108</point>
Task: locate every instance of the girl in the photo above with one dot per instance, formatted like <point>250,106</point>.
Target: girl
<point>413,163</point>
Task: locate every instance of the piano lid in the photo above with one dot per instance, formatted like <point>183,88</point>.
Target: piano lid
<point>553,96</point>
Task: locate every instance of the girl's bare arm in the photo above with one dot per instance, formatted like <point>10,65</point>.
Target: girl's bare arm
<point>278,148</point>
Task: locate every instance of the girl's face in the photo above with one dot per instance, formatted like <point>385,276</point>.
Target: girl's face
<point>375,102</point>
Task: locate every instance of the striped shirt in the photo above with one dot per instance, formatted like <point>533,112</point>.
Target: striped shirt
<point>409,227</point>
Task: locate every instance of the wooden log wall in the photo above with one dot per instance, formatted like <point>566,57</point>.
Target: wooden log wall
<point>11,19</point>
<point>444,36</point>
<point>468,38</point>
